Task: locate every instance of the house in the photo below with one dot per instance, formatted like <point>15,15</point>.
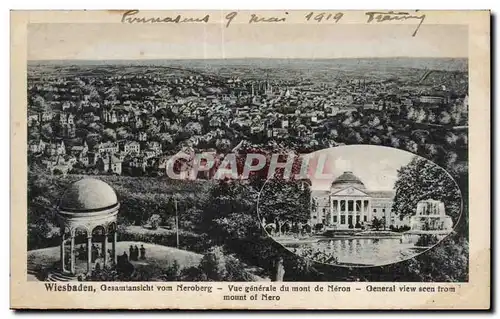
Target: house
<point>61,149</point>
<point>131,147</point>
<point>108,147</point>
<point>110,163</point>
<point>77,149</point>
<point>215,121</point>
<point>136,122</point>
<point>32,119</point>
<point>65,119</point>
<point>47,116</point>
<point>89,117</point>
<point>142,136</point>
<point>37,147</point>
<point>56,164</point>
<point>155,146</point>
<point>123,117</point>
<point>69,130</point>
<point>139,162</point>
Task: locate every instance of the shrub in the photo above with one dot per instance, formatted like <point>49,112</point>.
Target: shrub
<point>173,271</point>
<point>318,227</point>
<point>193,242</point>
<point>154,221</point>
<point>214,266</point>
<point>426,240</point>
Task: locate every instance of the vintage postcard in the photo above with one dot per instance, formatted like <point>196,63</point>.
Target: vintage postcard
<point>250,159</point>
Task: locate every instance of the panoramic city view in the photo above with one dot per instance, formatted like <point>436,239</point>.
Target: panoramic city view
<point>103,135</point>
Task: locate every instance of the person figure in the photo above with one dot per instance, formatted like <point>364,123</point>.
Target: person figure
<point>143,252</point>
<point>110,253</point>
<point>95,252</point>
<point>131,252</point>
<point>81,253</point>
<point>125,256</point>
<point>136,253</point>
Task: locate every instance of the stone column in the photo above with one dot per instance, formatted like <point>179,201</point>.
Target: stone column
<point>105,249</point>
<point>114,246</point>
<point>346,211</point>
<point>356,212</point>
<point>338,211</point>
<point>89,253</point>
<point>362,215</point>
<point>331,211</point>
<point>62,252</point>
<point>72,254</point>
<point>369,211</point>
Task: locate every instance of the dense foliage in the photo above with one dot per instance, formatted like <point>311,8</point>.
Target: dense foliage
<point>421,180</point>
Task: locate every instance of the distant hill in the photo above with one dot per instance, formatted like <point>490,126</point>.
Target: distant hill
<point>445,64</point>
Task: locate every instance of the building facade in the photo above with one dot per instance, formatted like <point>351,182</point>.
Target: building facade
<point>348,204</point>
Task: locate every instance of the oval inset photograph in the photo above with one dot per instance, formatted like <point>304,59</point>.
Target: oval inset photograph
<point>361,206</point>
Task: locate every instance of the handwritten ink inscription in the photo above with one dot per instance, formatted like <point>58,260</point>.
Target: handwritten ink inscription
<point>229,17</point>
<point>130,17</point>
<point>324,16</point>
<point>256,19</point>
<point>395,16</point>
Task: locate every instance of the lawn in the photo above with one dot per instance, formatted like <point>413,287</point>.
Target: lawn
<point>156,255</point>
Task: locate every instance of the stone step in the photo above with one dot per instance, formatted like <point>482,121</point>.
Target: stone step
<point>58,276</point>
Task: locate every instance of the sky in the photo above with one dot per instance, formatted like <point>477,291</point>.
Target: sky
<point>115,41</point>
<point>375,166</point>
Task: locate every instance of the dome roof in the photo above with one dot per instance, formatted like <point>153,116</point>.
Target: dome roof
<point>87,195</point>
<point>348,179</point>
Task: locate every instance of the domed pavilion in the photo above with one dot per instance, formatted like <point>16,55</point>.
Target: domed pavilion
<point>87,213</point>
<point>347,179</point>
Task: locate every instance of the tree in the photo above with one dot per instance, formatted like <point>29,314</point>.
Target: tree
<point>109,135</point>
<point>154,221</point>
<point>229,212</point>
<point>420,180</point>
<point>411,146</point>
<point>444,118</point>
<point>375,140</point>
<point>47,130</point>
<point>395,142</point>
<point>446,262</point>
<point>216,265</point>
<point>194,128</point>
<point>283,201</point>
<point>122,133</point>
<point>39,102</point>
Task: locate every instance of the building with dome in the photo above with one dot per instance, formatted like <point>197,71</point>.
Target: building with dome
<point>348,203</point>
<point>87,215</point>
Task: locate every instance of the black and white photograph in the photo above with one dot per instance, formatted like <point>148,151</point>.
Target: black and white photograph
<point>377,210</point>
<point>318,152</point>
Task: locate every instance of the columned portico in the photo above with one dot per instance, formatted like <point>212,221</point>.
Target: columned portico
<point>349,204</point>
<point>88,210</point>
<point>349,210</point>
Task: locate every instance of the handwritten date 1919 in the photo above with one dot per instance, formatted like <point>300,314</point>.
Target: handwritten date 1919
<point>324,16</point>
